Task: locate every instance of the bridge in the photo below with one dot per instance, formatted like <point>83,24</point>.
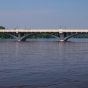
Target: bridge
<point>61,34</point>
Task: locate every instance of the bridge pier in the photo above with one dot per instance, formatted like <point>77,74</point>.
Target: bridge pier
<point>19,37</point>
<point>61,37</point>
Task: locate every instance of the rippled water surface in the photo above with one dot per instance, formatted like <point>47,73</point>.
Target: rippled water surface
<point>44,63</point>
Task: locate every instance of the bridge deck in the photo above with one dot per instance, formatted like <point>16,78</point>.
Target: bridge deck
<point>43,30</point>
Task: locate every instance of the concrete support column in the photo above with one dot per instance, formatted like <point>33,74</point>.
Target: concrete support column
<point>19,36</point>
<point>61,36</point>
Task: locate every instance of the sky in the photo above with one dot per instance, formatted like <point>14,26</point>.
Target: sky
<point>44,14</point>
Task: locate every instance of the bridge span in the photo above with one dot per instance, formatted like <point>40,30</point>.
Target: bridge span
<point>61,34</point>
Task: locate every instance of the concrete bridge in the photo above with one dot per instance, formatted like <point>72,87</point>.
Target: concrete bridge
<point>61,34</point>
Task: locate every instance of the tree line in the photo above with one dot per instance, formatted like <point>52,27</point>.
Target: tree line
<point>4,35</point>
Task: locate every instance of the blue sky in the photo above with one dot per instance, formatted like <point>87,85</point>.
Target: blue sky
<point>44,13</point>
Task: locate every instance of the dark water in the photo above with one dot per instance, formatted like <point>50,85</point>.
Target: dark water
<point>44,64</point>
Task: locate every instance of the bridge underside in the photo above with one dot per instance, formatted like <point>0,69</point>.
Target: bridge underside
<point>62,36</point>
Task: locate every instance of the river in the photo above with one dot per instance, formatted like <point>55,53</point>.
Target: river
<point>44,63</point>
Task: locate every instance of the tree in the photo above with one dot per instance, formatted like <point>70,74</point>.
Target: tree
<point>2,35</point>
<point>1,27</point>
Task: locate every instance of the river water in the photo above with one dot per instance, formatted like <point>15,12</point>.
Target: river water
<point>44,63</point>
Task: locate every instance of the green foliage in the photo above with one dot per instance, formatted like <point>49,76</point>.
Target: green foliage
<point>81,36</point>
<point>41,35</point>
<point>4,35</point>
<point>1,27</point>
